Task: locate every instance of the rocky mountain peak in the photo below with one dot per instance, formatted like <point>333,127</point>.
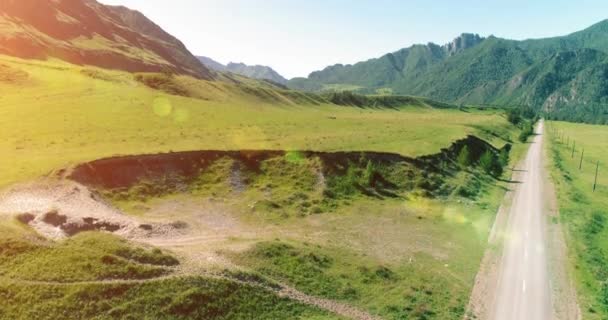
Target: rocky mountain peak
<point>463,42</point>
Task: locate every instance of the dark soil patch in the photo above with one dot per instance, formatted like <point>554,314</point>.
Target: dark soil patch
<point>25,218</point>
<point>54,218</point>
<point>89,224</point>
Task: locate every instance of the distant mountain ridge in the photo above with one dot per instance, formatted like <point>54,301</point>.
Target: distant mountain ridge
<point>87,32</point>
<point>255,72</point>
<point>566,76</point>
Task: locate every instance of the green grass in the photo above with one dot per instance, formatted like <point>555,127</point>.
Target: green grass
<point>582,211</point>
<point>432,244</point>
<point>401,259</point>
<point>304,183</point>
<point>63,116</point>
<point>40,279</point>
<point>186,298</point>
<point>85,257</point>
<point>393,291</point>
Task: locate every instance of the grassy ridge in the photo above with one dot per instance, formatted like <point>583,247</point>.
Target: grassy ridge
<point>57,114</point>
<point>186,298</point>
<point>582,211</point>
<point>392,291</point>
<point>73,279</point>
<point>86,257</point>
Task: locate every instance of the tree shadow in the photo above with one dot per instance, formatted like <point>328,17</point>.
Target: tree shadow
<point>509,181</point>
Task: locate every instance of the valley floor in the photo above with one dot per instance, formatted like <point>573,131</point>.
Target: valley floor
<point>345,230</point>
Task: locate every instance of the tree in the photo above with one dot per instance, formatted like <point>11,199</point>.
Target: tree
<point>368,176</point>
<point>514,116</point>
<point>526,132</point>
<point>491,164</point>
<point>497,168</point>
<point>486,161</point>
<point>464,157</point>
<point>503,158</point>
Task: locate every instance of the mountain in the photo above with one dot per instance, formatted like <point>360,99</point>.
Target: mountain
<point>211,64</point>
<point>409,63</point>
<point>87,32</point>
<point>564,76</point>
<point>255,72</point>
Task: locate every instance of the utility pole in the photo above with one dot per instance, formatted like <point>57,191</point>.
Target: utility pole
<point>597,168</point>
<point>580,165</point>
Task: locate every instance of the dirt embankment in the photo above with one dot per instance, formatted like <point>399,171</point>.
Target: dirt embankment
<point>63,207</point>
<point>127,171</point>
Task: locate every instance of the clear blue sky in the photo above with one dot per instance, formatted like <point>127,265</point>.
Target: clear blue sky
<point>299,36</point>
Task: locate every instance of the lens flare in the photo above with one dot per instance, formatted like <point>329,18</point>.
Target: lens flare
<point>294,157</point>
<point>181,115</point>
<point>162,107</point>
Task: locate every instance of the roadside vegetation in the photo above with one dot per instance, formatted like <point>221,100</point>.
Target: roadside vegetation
<point>393,291</point>
<point>524,118</point>
<point>583,211</point>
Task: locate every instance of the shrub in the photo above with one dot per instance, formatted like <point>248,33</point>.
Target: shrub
<point>464,157</point>
<point>491,164</point>
<point>368,175</point>
<point>526,132</point>
<point>514,116</point>
<point>486,161</point>
<point>503,158</point>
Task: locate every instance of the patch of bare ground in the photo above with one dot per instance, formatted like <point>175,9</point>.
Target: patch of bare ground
<point>206,228</point>
<point>60,208</point>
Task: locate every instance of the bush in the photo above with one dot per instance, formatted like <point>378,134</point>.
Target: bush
<point>526,132</point>
<point>491,164</point>
<point>368,176</point>
<point>464,157</point>
<point>486,161</point>
<point>514,116</point>
<point>503,158</point>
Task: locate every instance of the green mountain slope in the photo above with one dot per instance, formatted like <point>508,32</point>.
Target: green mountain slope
<point>563,76</point>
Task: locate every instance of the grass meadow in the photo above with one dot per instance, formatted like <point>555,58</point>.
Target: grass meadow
<point>583,212</point>
<point>54,114</point>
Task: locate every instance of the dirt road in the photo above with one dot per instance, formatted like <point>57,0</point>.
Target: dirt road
<point>524,290</point>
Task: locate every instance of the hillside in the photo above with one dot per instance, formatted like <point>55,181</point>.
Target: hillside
<point>255,72</point>
<point>563,76</point>
<point>87,32</point>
